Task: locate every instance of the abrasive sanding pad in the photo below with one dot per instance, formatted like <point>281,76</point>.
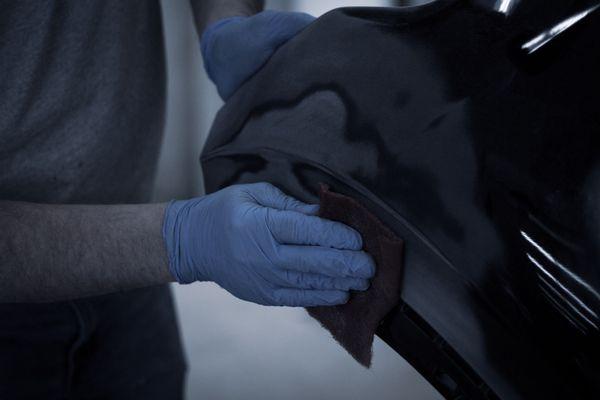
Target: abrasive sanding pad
<point>354,324</point>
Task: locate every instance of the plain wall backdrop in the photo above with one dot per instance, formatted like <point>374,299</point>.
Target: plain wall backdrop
<point>235,349</point>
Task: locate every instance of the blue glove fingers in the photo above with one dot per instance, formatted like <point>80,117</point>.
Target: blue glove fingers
<point>234,49</point>
<point>299,280</point>
<point>225,237</point>
<point>330,262</point>
<point>309,298</point>
<point>290,227</point>
<point>268,195</point>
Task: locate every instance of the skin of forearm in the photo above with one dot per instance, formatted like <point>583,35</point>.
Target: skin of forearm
<point>208,11</point>
<point>59,252</point>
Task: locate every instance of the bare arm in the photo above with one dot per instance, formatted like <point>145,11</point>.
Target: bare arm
<point>208,11</point>
<point>57,252</point>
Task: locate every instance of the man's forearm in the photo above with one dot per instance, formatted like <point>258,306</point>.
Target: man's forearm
<point>208,11</point>
<point>57,252</point>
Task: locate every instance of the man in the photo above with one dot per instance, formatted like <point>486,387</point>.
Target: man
<point>84,259</point>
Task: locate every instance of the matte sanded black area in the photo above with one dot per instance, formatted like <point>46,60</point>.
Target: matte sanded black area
<point>354,324</point>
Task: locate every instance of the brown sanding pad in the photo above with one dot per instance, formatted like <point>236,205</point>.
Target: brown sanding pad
<point>354,324</point>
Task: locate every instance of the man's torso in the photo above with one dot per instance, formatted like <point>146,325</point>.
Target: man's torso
<point>82,91</point>
<point>81,100</point>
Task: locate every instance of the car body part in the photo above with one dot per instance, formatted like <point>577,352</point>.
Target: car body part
<point>472,129</point>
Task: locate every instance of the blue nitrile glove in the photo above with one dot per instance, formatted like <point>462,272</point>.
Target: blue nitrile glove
<point>265,247</point>
<point>235,48</point>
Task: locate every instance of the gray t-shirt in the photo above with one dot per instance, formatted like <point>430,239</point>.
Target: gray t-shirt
<point>82,91</point>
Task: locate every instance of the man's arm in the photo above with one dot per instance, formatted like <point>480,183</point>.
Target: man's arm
<point>253,240</point>
<point>207,12</point>
<point>57,252</point>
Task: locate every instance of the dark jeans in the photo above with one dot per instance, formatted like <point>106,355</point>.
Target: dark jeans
<point>119,346</point>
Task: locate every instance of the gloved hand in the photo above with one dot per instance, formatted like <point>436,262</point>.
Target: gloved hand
<point>235,48</point>
<point>265,247</point>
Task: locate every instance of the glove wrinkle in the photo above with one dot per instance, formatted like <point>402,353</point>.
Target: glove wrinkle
<point>235,48</point>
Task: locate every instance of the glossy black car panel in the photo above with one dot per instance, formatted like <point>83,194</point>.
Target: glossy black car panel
<point>472,128</point>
